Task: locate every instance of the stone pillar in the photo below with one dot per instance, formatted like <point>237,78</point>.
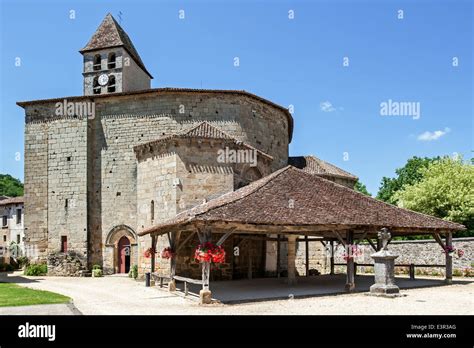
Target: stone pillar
<point>172,285</point>
<point>292,259</point>
<point>449,259</point>
<point>350,278</point>
<point>205,295</point>
<point>384,266</point>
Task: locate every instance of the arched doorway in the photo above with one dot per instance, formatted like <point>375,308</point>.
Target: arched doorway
<point>123,255</point>
<point>121,250</point>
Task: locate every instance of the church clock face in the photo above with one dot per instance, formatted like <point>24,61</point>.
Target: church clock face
<point>103,79</point>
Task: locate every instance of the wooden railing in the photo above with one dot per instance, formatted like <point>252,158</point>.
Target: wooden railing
<point>185,280</point>
<point>410,266</point>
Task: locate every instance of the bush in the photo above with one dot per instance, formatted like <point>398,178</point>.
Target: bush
<point>6,267</point>
<point>96,267</point>
<point>37,269</point>
<point>457,272</point>
<point>133,272</point>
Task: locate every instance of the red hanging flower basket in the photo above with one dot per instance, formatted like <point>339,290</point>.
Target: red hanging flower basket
<point>209,252</point>
<point>167,253</point>
<point>150,252</point>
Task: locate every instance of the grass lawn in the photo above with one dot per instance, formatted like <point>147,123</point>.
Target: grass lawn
<point>15,295</point>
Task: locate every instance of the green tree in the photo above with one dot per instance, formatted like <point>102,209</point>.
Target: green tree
<point>409,174</point>
<point>446,190</point>
<point>360,187</point>
<point>9,186</point>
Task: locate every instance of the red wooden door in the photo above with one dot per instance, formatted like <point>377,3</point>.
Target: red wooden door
<point>123,255</point>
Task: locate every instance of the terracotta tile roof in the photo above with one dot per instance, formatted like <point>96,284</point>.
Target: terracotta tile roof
<point>169,90</point>
<point>111,34</point>
<point>314,165</point>
<point>12,200</point>
<point>203,130</point>
<point>316,202</point>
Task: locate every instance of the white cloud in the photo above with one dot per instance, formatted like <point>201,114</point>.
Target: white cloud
<point>326,106</point>
<point>431,136</point>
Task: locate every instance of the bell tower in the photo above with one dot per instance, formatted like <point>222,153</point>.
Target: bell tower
<point>111,62</point>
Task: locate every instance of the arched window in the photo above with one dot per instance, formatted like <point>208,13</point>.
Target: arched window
<point>152,211</point>
<point>97,62</point>
<point>111,60</point>
<point>111,84</point>
<point>96,86</point>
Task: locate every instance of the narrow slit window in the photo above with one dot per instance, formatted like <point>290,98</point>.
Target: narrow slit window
<point>18,216</point>
<point>64,244</point>
<point>152,210</point>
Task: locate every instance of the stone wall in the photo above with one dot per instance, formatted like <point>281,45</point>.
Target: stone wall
<point>134,78</point>
<point>66,264</point>
<point>100,178</point>
<point>317,257</point>
<point>418,252</point>
<point>36,188</point>
<point>67,185</point>
<point>201,178</point>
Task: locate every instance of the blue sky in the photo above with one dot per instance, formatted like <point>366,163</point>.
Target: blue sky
<point>295,61</point>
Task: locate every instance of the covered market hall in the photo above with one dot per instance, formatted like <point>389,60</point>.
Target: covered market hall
<point>289,205</point>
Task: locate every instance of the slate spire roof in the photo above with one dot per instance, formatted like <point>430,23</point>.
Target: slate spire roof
<point>111,34</point>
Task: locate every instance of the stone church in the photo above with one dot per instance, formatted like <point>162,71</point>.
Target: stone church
<point>93,180</point>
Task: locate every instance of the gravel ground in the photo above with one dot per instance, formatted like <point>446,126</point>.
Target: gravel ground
<point>119,295</point>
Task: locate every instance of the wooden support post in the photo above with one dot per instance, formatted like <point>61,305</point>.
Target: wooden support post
<point>185,288</point>
<point>249,269</point>
<point>306,242</point>
<point>172,283</point>
<point>372,244</point>
<point>172,242</point>
<point>278,256</point>
<point>412,271</point>
<point>206,267</point>
<point>331,271</point>
<point>355,269</point>
<point>350,282</point>
<point>205,293</point>
<point>449,258</point>
<point>292,259</point>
